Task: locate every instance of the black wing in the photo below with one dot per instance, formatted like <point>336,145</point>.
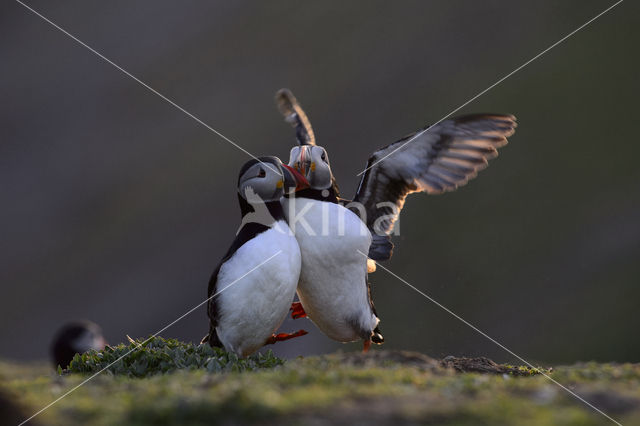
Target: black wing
<point>212,308</point>
<point>248,231</point>
<point>294,115</point>
<point>434,160</point>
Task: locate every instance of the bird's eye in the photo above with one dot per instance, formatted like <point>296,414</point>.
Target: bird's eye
<point>323,156</point>
<point>262,173</point>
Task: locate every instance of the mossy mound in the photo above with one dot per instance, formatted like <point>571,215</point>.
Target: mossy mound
<point>382,387</point>
<point>155,355</point>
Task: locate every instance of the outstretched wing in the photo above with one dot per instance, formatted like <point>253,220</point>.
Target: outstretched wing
<point>294,115</point>
<point>434,160</point>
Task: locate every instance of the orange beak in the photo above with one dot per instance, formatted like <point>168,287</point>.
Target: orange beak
<point>294,179</point>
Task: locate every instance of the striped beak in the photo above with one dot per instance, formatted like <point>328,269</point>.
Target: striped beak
<point>303,165</point>
<point>293,180</point>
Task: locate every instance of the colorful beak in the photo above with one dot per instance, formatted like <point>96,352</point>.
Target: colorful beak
<point>293,179</point>
<point>304,161</point>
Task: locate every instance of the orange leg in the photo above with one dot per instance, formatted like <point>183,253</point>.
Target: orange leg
<point>297,311</point>
<point>281,337</point>
<point>366,346</point>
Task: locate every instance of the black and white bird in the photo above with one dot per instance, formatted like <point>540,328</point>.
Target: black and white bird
<point>434,160</point>
<point>251,289</point>
<point>74,338</point>
<point>333,288</point>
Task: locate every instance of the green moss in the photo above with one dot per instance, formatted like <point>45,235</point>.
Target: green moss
<point>144,357</point>
<point>525,370</point>
<point>378,388</point>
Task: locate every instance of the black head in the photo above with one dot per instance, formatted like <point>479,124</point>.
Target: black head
<point>75,338</point>
<point>267,179</point>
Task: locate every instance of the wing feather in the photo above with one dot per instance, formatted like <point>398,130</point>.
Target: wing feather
<point>295,115</point>
<point>436,159</point>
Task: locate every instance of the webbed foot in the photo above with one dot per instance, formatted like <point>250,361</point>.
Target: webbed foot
<point>281,337</point>
<point>297,311</point>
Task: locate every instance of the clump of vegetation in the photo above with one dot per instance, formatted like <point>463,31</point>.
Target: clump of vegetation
<point>381,387</point>
<point>487,366</point>
<point>145,357</point>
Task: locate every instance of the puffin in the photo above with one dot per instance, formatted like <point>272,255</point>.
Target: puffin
<point>340,240</point>
<point>252,287</point>
<point>334,291</point>
<point>73,338</point>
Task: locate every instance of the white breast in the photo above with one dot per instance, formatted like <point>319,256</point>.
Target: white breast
<point>332,286</point>
<point>253,308</point>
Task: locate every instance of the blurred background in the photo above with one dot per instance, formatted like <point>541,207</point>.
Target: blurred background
<point>116,207</point>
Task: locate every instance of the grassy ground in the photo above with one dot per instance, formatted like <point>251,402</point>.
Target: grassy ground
<point>381,387</point>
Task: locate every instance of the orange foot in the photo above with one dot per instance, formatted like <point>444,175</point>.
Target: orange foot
<point>280,337</point>
<point>297,311</point>
<point>366,346</point>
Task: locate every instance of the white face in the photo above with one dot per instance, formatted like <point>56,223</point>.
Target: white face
<point>87,340</point>
<point>312,162</point>
<point>264,182</point>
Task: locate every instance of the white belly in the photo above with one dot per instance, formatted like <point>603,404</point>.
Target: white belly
<point>332,286</point>
<point>253,308</point>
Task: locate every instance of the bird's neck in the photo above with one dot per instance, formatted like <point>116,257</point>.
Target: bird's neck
<point>329,194</point>
<point>266,213</point>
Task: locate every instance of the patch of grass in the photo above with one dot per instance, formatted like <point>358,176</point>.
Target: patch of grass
<point>525,370</point>
<point>485,365</point>
<point>381,387</point>
<point>145,357</point>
